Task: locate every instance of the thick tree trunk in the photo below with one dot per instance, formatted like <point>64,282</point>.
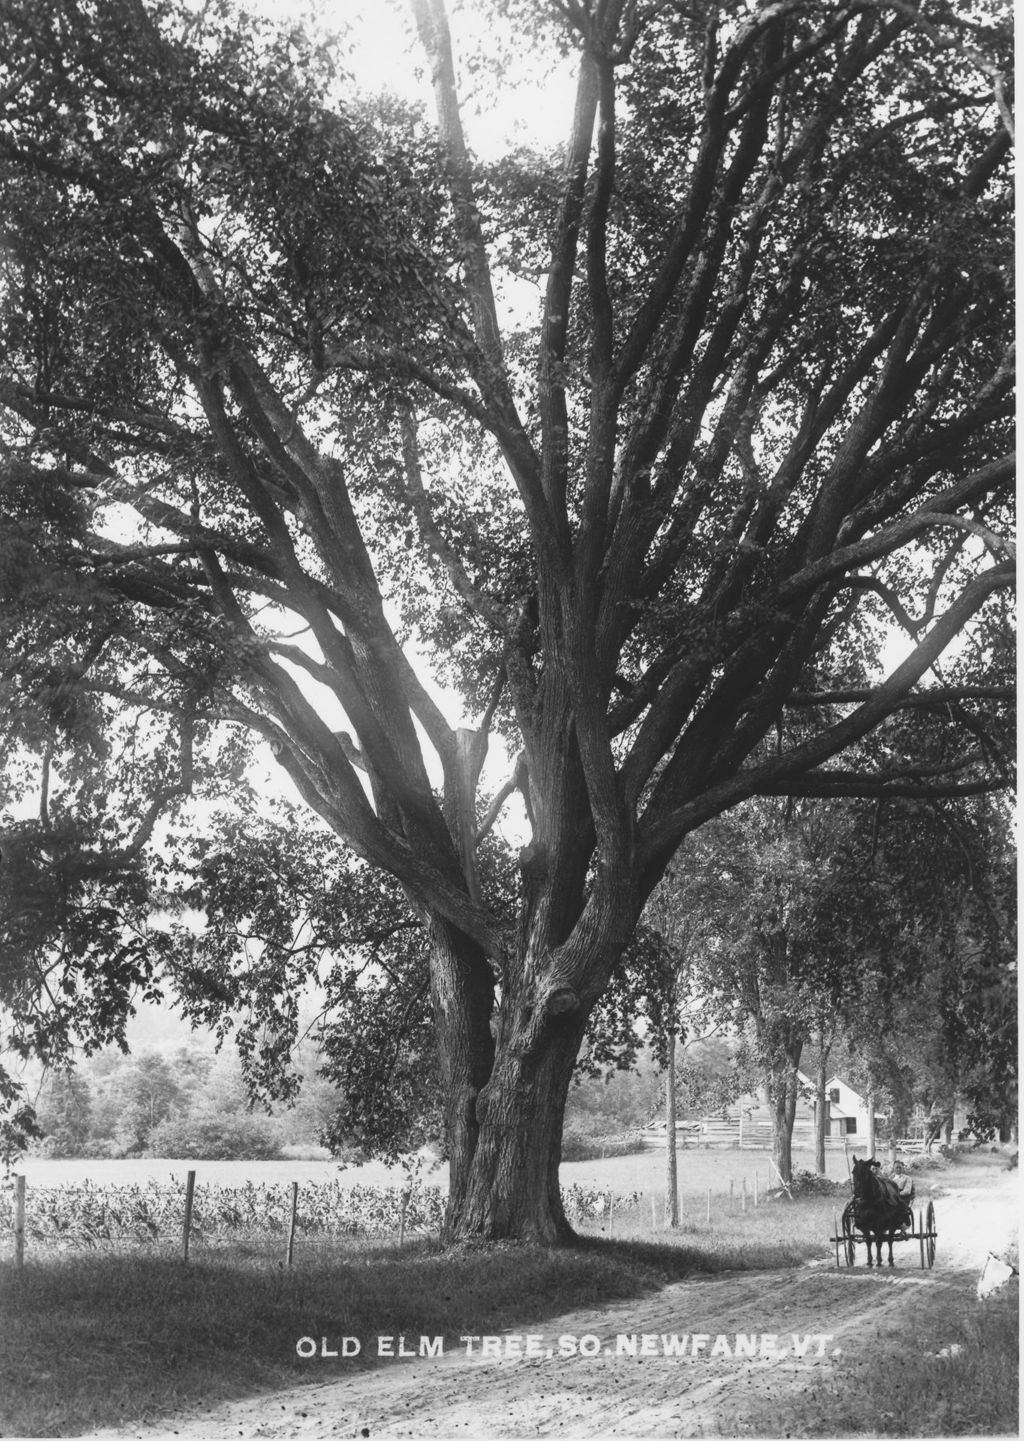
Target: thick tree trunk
<point>871,1126</point>
<point>511,1180</point>
<point>462,995</point>
<point>671,1170</point>
<point>509,1068</point>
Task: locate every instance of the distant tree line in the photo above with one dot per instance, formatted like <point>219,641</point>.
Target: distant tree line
<point>192,1103</point>
<point>874,940</point>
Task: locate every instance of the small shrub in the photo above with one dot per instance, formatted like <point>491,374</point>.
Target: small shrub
<point>808,1183</point>
<point>577,1146</point>
<point>109,1150</point>
<point>937,1161</point>
<point>50,1148</point>
<point>213,1138</point>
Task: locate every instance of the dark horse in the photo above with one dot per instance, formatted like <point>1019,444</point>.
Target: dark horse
<point>880,1208</point>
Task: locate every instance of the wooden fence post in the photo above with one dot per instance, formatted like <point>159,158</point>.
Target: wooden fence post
<point>19,1221</point>
<point>401,1220</point>
<point>743,1194</point>
<point>190,1186</point>
<point>291,1225</point>
<point>755,1188</point>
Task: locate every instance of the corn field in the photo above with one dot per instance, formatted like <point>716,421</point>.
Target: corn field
<point>86,1214</point>
<point>590,1203</point>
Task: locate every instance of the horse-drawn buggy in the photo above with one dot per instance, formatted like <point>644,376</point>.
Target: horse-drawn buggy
<point>881,1212</point>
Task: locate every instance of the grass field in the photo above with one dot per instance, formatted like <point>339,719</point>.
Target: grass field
<point>137,1170</point>
<point>698,1170</point>
<point>967,1387</point>
<point>644,1171</point>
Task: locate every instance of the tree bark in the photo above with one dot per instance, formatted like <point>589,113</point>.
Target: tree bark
<point>671,1169</point>
<point>462,996</point>
<point>783,1095</point>
<point>899,1120</point>
<point>511,1182</point>
<point>871,1126</point>
<point>820,1108</point>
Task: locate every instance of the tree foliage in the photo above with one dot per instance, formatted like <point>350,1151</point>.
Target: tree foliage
<point>883,930</point>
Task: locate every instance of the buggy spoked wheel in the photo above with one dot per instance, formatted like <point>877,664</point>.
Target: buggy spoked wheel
<point>849,1239</point>
<point>926,1235</point>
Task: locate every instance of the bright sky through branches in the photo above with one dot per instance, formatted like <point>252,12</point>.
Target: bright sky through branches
<point>532,106</point>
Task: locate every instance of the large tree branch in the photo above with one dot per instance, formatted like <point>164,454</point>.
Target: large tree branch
<point>939,510</point>
<point>551,379</point>
<point>489,611</point>
<point>937,696</point>
<point>852,785</point>
<point>698,201</point>
<point>435,37</point>
<point>663,827</point>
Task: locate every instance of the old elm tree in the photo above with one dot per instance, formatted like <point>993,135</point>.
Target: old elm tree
<point>642,446</point>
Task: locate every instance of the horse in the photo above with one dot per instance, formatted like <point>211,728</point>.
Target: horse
<point>880,1208</point>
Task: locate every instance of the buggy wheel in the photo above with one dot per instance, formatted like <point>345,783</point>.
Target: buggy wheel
<point>849,1239</point>
<point>929,1239</point>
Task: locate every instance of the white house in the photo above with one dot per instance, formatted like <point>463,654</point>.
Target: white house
<point>848,1110</point>
<point>748,1123</point>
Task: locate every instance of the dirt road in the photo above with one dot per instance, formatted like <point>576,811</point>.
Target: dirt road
<point>630,1387</point>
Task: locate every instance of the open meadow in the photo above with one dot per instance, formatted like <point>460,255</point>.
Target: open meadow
<point>644,1171</point>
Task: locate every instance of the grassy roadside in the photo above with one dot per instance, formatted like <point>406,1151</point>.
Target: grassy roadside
<point>107,1339</point>
<point>947,1374</point>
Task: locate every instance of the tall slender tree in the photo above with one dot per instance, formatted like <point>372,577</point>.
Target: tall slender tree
<point>267,416</point>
